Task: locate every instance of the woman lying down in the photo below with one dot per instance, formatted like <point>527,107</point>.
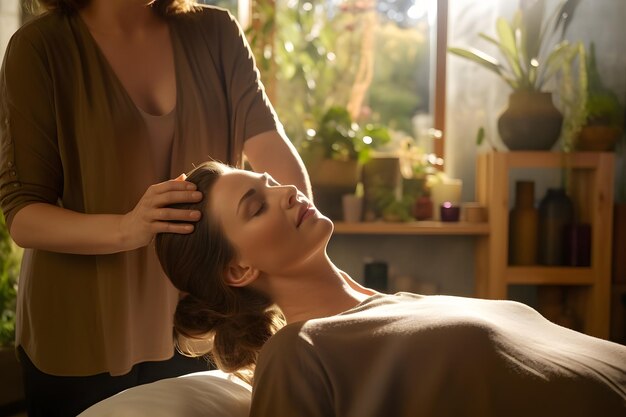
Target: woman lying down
<point>258,255</point>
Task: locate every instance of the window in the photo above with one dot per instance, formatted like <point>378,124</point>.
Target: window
<point>378,58</point>
<point>227,4</point>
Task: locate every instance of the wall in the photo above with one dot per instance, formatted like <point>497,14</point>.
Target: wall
<point>9,21</point>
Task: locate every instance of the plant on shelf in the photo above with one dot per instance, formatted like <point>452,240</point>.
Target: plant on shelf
<point>604,113</point>
<point>339,138</point>
<point>333,152</point>
<point>391,197</point>
<point>533,52</point>
<point>573,96</point>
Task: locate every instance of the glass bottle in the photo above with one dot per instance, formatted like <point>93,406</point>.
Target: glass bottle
<point>523,223</point>
<point>556,211</point>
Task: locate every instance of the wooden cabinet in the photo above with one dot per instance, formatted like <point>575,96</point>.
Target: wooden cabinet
<point>591,179</point>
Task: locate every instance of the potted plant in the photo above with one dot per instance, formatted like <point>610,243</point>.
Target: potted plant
<point>11,392</point>
<point>604,113</point>
<point>333,153</point>
<point>531,59</point>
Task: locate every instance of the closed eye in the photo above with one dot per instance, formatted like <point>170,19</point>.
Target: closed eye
<point>270,182</point>
<point>260,210</point>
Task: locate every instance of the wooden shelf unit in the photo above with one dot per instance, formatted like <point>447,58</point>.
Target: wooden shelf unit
<point>412,228</point>
<point>592,194</point>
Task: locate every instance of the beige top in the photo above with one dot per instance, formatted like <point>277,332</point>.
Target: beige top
<point>71,135</point>
<point>161,132</point>
<point>435,356</point>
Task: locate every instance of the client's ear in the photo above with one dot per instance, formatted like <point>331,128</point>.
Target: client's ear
<point>238,275</point>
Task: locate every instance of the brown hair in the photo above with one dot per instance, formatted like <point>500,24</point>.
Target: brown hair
<point>163,7</point>
<point>238,320</point>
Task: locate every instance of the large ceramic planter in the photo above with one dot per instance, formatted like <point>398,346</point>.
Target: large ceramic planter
<point>531,122</point>
<point>330,180</point>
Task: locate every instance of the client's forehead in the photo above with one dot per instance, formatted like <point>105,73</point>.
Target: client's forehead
<point>228,190</point>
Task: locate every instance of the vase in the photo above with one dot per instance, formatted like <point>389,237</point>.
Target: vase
<point>523,224</point>
<point>531,122</point>
<point>556,212</point>
<point>375,275</point>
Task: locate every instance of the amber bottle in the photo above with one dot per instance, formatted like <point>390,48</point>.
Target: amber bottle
<point>523,223</point>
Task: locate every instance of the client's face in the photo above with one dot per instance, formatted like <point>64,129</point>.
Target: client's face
<point>272,227</point>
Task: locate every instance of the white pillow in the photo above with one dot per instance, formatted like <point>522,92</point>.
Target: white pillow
<point>207,394</point>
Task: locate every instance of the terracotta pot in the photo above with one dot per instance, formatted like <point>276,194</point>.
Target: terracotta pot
<point>333,173</point>
<point>330,181</point>
<point>530,123</point>
<point>597,138</point>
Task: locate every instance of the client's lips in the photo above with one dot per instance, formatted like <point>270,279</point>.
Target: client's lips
<point>305,211</point>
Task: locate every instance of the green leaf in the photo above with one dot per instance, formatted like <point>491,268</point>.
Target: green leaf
<point>553,63</point>
<point>595,81</point>
<point>532,76</point>
<point>480,136</point>
<point>565,15</point>
<point>379,134</point>
<point>478,57</point>
<point>511,58</point>
<point>508,45</point>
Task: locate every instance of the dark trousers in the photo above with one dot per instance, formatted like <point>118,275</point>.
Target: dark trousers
<point>52,396</point>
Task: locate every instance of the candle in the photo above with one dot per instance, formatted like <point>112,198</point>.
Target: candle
<point>447,190</point>
<point>473,212</point>
<point>449,212</point>
<point>352,208</point>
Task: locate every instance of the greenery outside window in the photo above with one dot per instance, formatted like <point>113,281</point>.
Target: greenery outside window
<point>376,58</point>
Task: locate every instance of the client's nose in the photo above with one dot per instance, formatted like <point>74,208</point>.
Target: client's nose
<point>290,197</point>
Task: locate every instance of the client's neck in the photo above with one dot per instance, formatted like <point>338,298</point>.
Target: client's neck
<point>322,291</point>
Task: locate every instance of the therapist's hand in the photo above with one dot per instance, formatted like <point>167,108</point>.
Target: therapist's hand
<point>151,216</point>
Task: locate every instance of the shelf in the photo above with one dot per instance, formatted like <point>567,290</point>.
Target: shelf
<point>591,190</point>
<point>412,228</point>
<point>547,275</point>
<point>542,159</point>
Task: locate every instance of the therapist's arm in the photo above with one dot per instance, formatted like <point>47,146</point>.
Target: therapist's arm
<point>273,153</point>
<point>49,227</point>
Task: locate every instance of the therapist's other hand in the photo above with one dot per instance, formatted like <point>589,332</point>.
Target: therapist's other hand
<point>151,216</point>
